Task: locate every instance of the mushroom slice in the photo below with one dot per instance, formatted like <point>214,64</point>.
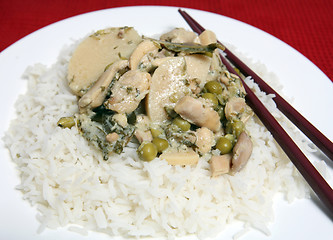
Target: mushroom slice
<point>94,53</point>
<point>204,139</point>
<point>142,49</point>
<point>207,37</point>
<point>220,164</point>
<point>128,91</point>
<point>180,158</point>
<point>193,110</point>
<point>241,152</point>
<point>167,81</point>
<point>97,93</point>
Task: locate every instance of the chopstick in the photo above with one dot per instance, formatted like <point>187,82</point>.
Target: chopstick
<point>320,140</point>
<point>304,166</point>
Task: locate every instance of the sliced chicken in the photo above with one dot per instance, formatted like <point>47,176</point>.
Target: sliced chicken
<point>143,135</point>
<point>96,52</point>
<point>197,67</point>
<point>121,119</point>
<point>97,93</point>
<point>193,110</point>
<point>112,137</point>
<point>204,139</point>
<point>236,107</point>
<point>241,152</point>
<point>159,61</point>
<point>142,49</point>
<point>128,91</point>
<point>167,81</point>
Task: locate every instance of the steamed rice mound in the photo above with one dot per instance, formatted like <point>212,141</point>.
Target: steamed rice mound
<point>71,185</point>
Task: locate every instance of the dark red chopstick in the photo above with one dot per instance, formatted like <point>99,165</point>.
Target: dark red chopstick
<point>320,140</point>
<point>304,166</point>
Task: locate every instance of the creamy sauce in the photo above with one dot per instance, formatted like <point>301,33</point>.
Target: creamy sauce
<point>174,97</point>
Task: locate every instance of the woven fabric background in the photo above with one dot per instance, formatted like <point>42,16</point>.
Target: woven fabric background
<point>306,25</point>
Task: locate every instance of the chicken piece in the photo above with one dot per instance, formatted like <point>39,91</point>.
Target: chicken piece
<point>128,91</point>
<point>112,137</point>
<point>180,158</point>
<point>142,120</point>
<point>142,49</point>
<point>241,152</point>
<point>236,107</point>
<point>159,61</point>
<point>180,35</point>
<point>143,135</point>
<point>121,119</point>
<point>207,37</point>
<point>204,139</point>
<point>193,110</point>
<point>167,81</point>
<point>142,132</point>
<point>197,67</point>
<point>220,164</point>
<point>97,51</point>
<point>97,93</point>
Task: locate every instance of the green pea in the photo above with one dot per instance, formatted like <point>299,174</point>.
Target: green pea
<point>238,127</point>
<point>155,132</point>
<point>182,124</point>
<point>220,111</point>
<point>147,151</point>
<point>211,97</point>
<point>213,87</point>
<point>231,137</point>
<point>224,145</point>
<point>66,122</point>
<point>228,128</point>
<point>161,144</point>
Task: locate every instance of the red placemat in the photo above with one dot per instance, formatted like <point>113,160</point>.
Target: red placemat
<point>306,25</point>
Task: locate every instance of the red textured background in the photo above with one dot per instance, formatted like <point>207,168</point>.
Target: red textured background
<point>306,25</point>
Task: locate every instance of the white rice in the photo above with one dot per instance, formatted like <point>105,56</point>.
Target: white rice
<point>70,184</point>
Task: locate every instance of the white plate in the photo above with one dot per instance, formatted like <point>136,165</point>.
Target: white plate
<point>311,89</point>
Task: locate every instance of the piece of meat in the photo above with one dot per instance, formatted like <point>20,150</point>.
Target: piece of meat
<point>142,49</point>
<point>97,93</point>
<point>204,139</point>
<point>143,135</point>
<point>128,91</point>
<point>167,81</point>
<point>193,110</point>
<point>236,107</point>
<point>197,67</point>
<point>241,152</point>
<point>96,52</point>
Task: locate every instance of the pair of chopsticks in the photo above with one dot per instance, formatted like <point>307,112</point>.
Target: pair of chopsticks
<point>304,166</point>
